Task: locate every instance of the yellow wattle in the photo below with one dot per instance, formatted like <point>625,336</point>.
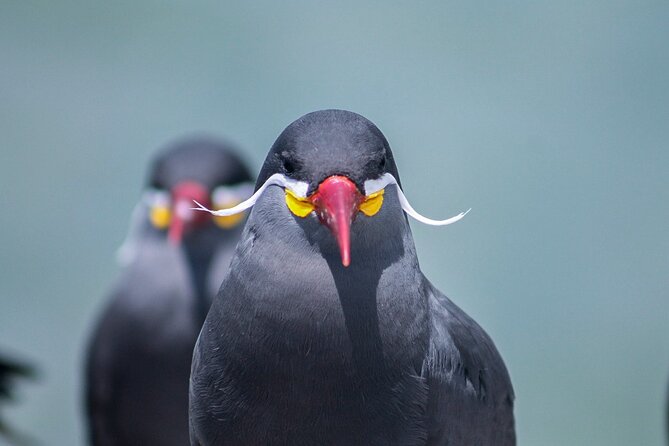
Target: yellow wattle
<point>372,203</point>
<point>160,216</point>
<point>298,205</point>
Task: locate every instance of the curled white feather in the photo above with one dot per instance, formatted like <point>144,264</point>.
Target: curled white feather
<point>300,188</point>
<point>387,179</point>
<point>232,193</point>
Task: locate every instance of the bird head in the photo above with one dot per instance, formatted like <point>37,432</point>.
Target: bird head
<point>204,170</point>
<point>333,165</point>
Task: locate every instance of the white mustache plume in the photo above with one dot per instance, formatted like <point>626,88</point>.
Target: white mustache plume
<point>297,187</point>
<point>387,179</point>
<point>300,188</point>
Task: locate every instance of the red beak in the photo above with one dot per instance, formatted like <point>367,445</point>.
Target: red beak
<point>183,217</point>
<point>337,201</point>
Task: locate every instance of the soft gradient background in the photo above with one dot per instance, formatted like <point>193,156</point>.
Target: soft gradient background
<point>549,119</point>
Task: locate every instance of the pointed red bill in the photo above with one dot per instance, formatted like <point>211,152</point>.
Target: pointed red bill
<point>184,218</point>
<point>337,201</point>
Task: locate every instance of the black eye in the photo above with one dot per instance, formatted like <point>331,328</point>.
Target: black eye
<point>288,166</point>
<point>382,163</point>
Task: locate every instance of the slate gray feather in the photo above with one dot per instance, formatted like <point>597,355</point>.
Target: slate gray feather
<point>140,352</point>
<point>301,349</point>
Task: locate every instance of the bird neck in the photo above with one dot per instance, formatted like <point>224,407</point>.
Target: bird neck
<point>287,288</point>
<point>199,249</point>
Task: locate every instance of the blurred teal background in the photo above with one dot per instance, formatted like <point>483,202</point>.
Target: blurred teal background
<point>549,119</point>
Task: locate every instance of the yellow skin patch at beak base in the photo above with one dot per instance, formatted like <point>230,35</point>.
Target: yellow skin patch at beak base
<point>372,203</point>
<point>302,207</point>
<point>298,205</point>
<point>160,217</point>
<point>230,221</point>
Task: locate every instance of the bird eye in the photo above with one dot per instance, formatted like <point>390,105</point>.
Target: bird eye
<point>288,162</point>
<point>377,165</point>
<point>288,166</point>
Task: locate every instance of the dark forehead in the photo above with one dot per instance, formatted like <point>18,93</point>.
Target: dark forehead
<point>208,161</point>
<point>329,142</point>
<point>331,134</point>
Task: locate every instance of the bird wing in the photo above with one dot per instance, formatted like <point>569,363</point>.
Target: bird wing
<point>149,322</point>
<point>471,396</point>
<point>100,378</point>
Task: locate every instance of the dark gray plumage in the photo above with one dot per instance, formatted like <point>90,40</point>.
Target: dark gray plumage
<point>139,356</point>
<point>299,350</point>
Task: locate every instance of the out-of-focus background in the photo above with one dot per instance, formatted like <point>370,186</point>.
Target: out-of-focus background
<point>549,119</point>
